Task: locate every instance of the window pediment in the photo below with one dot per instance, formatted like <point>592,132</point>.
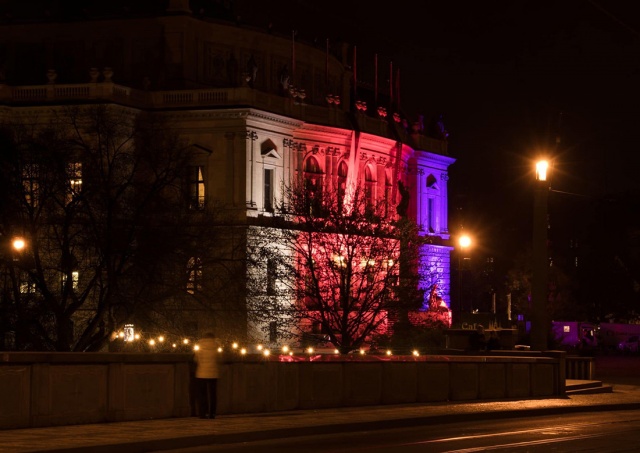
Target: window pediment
<point>269,149</point>
<point>202,148</point>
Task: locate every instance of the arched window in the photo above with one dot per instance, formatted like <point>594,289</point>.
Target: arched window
<point>312,166</point>
<point>313,186</point>
<point>343,170</point>
<point>430,214</point>
<point>369,185</point>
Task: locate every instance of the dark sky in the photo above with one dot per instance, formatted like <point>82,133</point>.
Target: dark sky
<point>508,77</point>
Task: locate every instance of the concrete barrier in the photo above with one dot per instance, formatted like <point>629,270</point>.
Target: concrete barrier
<point>48,389</point>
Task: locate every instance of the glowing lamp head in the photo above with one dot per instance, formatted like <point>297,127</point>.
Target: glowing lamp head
<point>541,170</point>
<point>18,244</point>
<point>464,241</point>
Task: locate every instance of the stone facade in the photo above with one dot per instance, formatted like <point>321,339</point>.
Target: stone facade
<point>255,114</point>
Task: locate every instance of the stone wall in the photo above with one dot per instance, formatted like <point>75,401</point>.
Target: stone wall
<point>47,389</point>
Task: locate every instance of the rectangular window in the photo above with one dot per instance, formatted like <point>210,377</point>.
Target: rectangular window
<point>268,189</point>
<point>27,286</point>
<point>75,278</point>
<point>271,277</point>
<point>74,176</point>
<point>273,332</point>
<point>30,184</point>
<point>194,275</point>
<point>196,187</point>
<point>431,215</point>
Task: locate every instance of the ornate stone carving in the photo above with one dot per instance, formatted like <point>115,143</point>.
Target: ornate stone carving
<point>52,75</point>
<point>94,74</point>
<point>107,72</point>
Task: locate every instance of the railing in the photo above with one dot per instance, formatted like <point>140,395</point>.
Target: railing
<point>242,96</point>
<point>580,368</point>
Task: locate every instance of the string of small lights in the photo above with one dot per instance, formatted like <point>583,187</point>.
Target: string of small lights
<point>160,343</point>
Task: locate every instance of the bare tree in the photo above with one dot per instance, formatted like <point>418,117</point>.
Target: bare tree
<point>337,268</point>
<point>98,193</point>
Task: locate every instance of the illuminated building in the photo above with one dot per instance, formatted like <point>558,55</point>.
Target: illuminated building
<point>259,110</point>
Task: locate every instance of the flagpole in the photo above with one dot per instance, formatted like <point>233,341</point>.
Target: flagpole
<point>355,77</point>
<point>326,68</point>
<point>398,89</point>
<point>293,57</point>
<point>375,60</point>
<point>391,85</point>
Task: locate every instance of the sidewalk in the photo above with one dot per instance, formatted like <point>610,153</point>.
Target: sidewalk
<point>167,434</point>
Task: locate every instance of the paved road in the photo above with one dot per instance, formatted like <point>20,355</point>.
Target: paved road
<point>613,431</point>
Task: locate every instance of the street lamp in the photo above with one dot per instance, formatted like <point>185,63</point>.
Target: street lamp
<point>18,244</point>
<point>540,266</point>
<point>465,242</point>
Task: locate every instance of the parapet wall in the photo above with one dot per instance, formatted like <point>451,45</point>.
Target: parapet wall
<point>47,389</point>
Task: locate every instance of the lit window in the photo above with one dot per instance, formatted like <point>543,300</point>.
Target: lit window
<point>268,189</point>
<point>30,184</point>
<point>75,278</point>
<point>74,176</point>
<point>194,275</point>
<point>27,287</point>
<point>196,187</point>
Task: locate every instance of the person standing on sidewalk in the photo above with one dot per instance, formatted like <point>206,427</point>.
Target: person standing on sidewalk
<point>207,373</point>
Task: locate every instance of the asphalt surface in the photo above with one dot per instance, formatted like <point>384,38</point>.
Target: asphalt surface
<point>167,434</point>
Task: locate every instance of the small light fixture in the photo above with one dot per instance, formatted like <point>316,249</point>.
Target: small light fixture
<point>541,170</point>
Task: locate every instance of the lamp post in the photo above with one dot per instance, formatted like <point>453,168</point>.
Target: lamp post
<point>465,242</point>
<point>9,257</point>
<point>540,266</point>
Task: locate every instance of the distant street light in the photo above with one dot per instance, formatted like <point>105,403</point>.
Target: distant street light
<point>18,244</point>
<point>465,242</point>
<point>539,285</point>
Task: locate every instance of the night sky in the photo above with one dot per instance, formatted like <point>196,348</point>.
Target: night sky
<point>508,77</point>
